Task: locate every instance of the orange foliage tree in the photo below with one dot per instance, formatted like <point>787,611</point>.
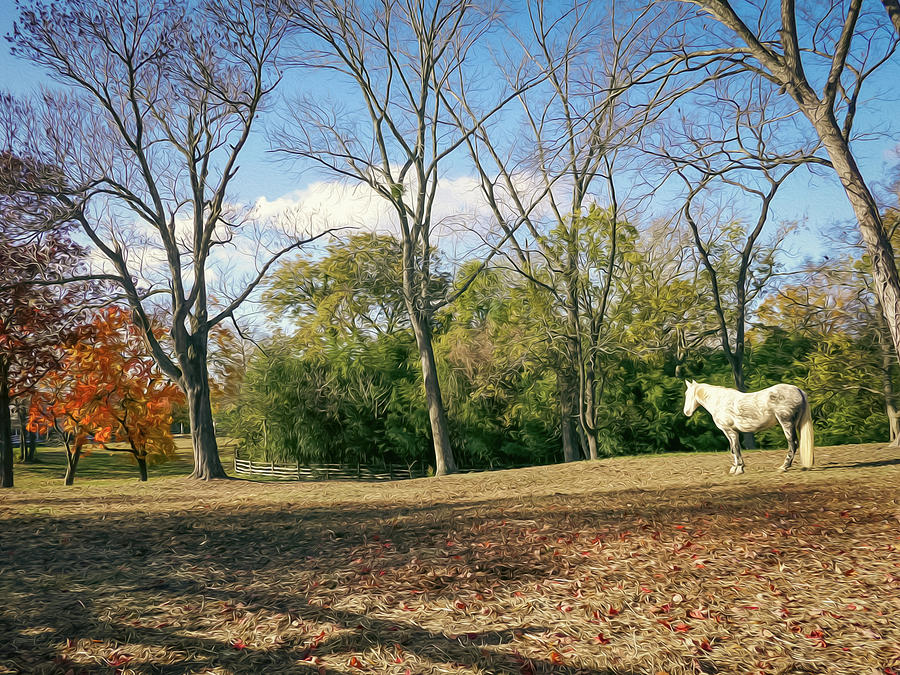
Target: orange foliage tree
<point>109,390</point>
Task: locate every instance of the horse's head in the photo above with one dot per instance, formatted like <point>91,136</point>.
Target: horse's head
<point>690,398</point>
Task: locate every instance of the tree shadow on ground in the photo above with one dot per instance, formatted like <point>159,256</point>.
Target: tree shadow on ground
<point>107,576</point>
<point>859,465</point>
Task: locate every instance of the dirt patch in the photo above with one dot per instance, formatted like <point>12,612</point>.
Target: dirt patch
<point>628,565</point>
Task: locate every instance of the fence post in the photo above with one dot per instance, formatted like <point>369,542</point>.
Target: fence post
<point>298,468</point>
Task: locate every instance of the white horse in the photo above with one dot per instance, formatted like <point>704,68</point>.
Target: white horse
<point>734,411</point>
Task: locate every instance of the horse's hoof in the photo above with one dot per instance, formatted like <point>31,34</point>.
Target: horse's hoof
<point>731,470</point>
<point>783,468</point>
<point>738,470</point>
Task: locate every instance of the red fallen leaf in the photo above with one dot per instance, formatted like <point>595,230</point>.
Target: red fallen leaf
<point>354,662</point>
<point>613,611</point>
<point>815,634</point>
<point>702,645</point>
<point>239,644</point>
<point>698,614</point>
<point>601,639</point>
<point>681,627</point>
<point>519,594</point>
<point>556,658</point>
<point>644,589</point>
<point>664,623</point>
<point>679,527</point>
<point>118,660</point>
<point>460,604</point>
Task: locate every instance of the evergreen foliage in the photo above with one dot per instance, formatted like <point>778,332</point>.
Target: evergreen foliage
<point>340,381</point>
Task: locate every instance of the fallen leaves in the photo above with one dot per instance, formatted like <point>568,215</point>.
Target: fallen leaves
<point>505,572</point>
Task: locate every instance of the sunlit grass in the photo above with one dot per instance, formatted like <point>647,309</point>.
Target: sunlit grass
<point>102,466</point>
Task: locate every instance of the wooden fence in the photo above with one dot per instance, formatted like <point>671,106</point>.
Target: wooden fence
<point>327,471</point>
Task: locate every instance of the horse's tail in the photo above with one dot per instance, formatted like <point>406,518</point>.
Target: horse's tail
<point>807,436</point>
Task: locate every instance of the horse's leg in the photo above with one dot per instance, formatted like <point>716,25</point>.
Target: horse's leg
<point>735,444</point>
<point>789,427</point>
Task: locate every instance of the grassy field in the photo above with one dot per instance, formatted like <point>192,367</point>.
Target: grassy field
<point>662,564</point>
<point>101,465</point>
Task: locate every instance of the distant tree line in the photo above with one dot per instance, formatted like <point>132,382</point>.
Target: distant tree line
<point>339,382</point>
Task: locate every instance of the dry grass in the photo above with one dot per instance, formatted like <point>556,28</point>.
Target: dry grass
<point>635,565</point>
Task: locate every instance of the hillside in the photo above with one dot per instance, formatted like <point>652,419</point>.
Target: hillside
<point>627,565</point>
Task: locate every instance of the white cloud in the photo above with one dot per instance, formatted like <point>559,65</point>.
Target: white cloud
<point>458,204</point>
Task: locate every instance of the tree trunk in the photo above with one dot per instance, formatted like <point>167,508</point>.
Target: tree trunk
<point>142,467</point>
<point>207,464</point>
<point>443,452</point>
<point>894,424</point>
<point>736,360</point>
<point>893,10</point>
<point>72,464</point>
<point>567,418</point>
<point>31,454</point>
<point>23,443</point>
<point>887,386</point>
<point>590,408</point>
<point>871,226</point>
<point>6,449</point>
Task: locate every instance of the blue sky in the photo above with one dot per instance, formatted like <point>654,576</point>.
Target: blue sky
<point>816,200</point>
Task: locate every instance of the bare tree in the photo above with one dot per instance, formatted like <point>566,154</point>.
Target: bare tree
<point>399,57</point>
<point>821,59</point>
<point>160,101</point>
<point>728,150</point>
<point>604,76</point>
